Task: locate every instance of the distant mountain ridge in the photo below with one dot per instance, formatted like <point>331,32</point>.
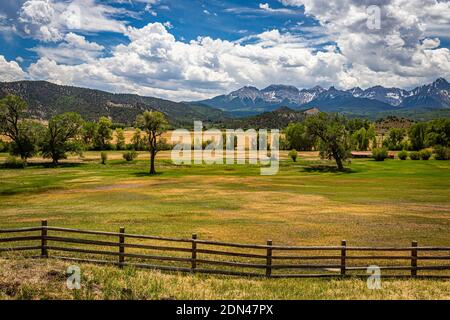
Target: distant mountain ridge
<point>251,100</point>
<point>46,99</point>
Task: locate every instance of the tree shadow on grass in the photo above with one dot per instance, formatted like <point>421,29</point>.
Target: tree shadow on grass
<point>326,169</point>
<point>43,165</point>
<point>144,174</point>
<point>59,165</point>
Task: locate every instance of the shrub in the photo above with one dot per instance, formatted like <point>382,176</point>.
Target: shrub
<point>293,154</point>
<point>414,155</point>
<point>403,155</point>
<point>14,163</point>
<point>130,155</point>
<point>441,153</point>
<point>104,157</point>
<point>4,146</point>
<point>425,154</point>
<point>379,154</point>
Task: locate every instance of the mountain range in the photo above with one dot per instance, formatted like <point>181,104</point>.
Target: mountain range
<point>250,100</point>
<point>46,99</point>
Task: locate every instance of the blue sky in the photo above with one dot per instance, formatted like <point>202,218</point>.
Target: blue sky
<point>187,50</point>
<point>229,20</point>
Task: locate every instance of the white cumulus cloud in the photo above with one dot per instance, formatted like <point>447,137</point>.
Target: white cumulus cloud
<point>155,63</point>
<point>49,20</point>
<point>74,50</point>
<point>10,71</point>
<point>404,52</point>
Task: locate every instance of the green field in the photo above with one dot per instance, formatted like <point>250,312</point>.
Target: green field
<point>374,203</point>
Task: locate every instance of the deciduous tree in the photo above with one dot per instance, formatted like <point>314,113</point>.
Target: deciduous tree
<point>335,141</point>
<point>60,136</point>
<point>154,124</point>
<point>24,134</point>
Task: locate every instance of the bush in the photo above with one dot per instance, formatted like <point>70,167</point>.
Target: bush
<point>379,154</point>
<point>414,155</point>
<point>14,163</point>
<point>403,155</point>
<point>441,153</point>
<point>130,155</point>
<point>4,146</point>
<point>104,157</point>
<point>293,154</point>
<point>425,154</point>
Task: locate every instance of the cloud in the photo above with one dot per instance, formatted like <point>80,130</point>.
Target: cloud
<point>168,25</point>
<point>149,7</point>
<point>263,8</point>
<point>48,20</point>
<point>155,63</point>
<point>399,52</point>
<point>74,50</point>
<point>266,7</point>
<point>10,71</point>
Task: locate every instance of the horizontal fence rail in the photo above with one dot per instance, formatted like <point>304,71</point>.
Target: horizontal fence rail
<point>225,258</point>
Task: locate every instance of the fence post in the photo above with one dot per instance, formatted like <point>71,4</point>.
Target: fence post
<point>414,259</point>
<point>44,251</point>
<point>194,253</point>
<point>269,259</point>
<point>343,255</point>
<point>121,247</point>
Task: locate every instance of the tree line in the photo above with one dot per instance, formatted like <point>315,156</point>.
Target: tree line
<point>68,133</point>
<point>335,137</point>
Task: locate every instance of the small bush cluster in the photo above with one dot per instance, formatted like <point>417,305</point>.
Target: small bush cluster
<point>14,163</point>
<point>379,154</point>
<point>414,155</point>
<point>130,155</point>
<point>293,154</point>
<point>403,155</point>
<point>104,157</point>
<point>4,146</point>
<point>425,154</point>
<point>441,153</point>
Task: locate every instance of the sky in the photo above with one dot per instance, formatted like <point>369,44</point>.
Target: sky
<point>186,50</point>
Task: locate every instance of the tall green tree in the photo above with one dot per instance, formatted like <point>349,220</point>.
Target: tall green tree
<point>24,134</point>
<point>88,133</point>
<point>356,124</point>
<point>395,139</point>
<point>137,141</point>
<point>60,137</point>
<point>439,132</point>
<point>104,134</point>
<point>335,140</point>
<point>363,137</point>
<point>154,123</point>
<point>418,135</point>
<point>298,138</point>
<point>120,139</point>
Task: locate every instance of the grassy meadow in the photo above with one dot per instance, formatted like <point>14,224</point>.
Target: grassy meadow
<point>45,279</point>
<point>373,203</point>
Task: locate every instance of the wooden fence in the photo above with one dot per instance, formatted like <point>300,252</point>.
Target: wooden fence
<point>214,257</point>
